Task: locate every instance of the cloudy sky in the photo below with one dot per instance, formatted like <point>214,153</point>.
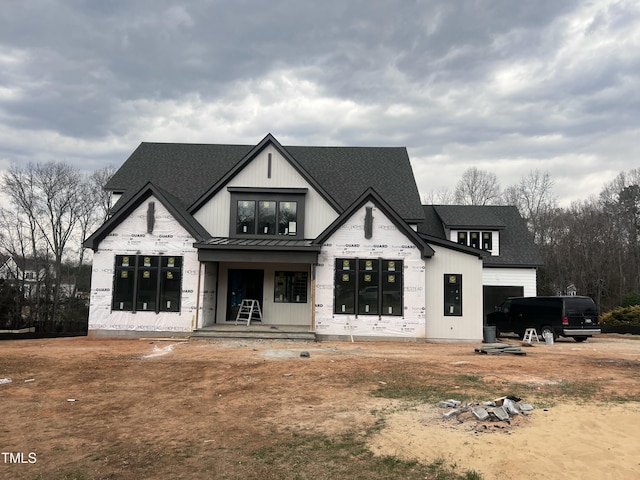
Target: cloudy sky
<point>505,86</point>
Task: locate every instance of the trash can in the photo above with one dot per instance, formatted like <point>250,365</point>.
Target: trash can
<point>489,334</point>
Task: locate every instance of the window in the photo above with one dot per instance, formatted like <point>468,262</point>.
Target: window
<point>368,286</point>
<point>147,283</point>
<point>487,243</point>
<point>345,286</point>
<point>264,213</point>
<point>265,222</point>
<point>246,217</point>
<point>287,218</point>
<point>453,295</point>
<point>290,287</point>
<point>474,238</point>
<point>482,240</point>
<point>266,218</point>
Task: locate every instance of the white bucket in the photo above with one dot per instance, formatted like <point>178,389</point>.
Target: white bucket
<point>548,338</point>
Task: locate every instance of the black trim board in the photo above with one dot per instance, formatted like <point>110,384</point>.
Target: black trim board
<point>184,219</point>
<point>371,195</point>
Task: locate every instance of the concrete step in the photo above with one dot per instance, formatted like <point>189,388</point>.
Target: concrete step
<point>255,333</point>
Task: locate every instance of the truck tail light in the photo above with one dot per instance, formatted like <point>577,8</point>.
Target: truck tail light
<point>565,320</point>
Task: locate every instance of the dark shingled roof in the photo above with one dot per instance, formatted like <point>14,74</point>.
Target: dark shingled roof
<point>517,248</point>
<point>469,216</point>
<point>188,171</point>
<point>169,201</point>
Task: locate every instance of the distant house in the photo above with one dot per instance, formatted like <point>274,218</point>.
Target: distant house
<point>7,267</point>
<point>332,240</point>
<point>510,268</point>
<point>22,271</point>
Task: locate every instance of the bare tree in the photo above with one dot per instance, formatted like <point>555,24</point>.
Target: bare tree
<point>48,196</point>
<point>477,187</point>
<point>101,197</point>
<point>535,199</point>
<point>439,197</point>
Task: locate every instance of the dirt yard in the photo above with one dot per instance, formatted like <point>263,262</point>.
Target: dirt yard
<point>144,408</point>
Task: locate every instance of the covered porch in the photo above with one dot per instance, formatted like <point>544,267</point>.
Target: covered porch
<point>279,275</point>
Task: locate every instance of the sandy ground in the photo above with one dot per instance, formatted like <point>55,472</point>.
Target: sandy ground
<point>563,442</point>
<point>157,398</point>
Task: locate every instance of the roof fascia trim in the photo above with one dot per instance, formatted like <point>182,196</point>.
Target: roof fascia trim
<point>268,140</point>
<point>145,192</point>
<point>371,194</point>
<point>441,242</point>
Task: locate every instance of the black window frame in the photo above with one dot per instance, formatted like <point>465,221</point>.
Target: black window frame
<point>280,197</point>
<point>368,286</point>
<point>452,294</point>
<point>161,294</point>
<point>294,288</point>
<point>476,239</point>
<point>486,240</point>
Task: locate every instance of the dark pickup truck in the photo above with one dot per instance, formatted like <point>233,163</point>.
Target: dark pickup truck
<point>566,316</point>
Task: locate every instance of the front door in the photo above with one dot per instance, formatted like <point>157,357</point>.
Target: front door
<point>243,284</point>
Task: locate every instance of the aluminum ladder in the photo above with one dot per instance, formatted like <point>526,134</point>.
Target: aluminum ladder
<point>248,310</point>
<point>529,335</point>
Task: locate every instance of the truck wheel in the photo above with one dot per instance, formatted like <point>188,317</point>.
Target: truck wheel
<point>579,339</point>
<point>547,330</point>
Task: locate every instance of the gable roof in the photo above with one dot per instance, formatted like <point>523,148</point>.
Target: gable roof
<point>370,194</point>
<point>457,217</point>
<point>193,172</point>
<point>170,203</point>
<point>3,259</point>
<point>517,248</point>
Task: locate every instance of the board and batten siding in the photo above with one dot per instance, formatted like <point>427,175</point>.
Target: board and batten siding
<point>388,243</point>
<point>511,277</point>
<point>273,313</point>
<point>467,327</point>
<point>215,214</point>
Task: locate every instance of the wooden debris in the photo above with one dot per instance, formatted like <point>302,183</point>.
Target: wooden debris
<point>500,349</point>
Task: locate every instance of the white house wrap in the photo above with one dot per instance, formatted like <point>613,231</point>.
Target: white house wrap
<point>332,240</point>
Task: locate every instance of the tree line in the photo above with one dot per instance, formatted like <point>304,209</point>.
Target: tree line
<point>593,244</point>
<point>52,207</point>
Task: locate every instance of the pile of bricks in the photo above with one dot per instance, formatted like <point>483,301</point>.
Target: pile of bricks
<point>501,409</point>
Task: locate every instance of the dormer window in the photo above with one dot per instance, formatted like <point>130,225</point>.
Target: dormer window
<point>267,213</point>
<point>487,241</point>
<point>476,239</point>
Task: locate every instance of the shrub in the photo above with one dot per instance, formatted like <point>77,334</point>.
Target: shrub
<point>622,316</point>
<point>631,299</point>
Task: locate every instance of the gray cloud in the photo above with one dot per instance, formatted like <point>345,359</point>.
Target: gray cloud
<point>502,85</point>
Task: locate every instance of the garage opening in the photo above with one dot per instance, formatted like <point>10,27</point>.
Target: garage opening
<point>495,295</point>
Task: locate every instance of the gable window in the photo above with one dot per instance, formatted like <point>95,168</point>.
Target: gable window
<point>368,286</point>
<point>147,283</point>
<point>267,217</point>
<point>462,238</point>
<point>270,213</point>
<point>287,218</point>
